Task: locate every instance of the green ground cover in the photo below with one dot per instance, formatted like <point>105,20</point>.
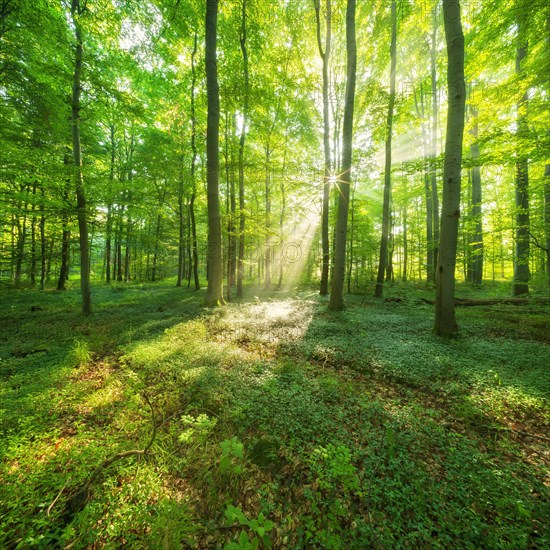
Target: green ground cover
<point>276,423</point>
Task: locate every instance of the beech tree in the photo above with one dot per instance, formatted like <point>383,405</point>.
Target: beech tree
<point>214,292</point>
<point>521,264</point>
<point>76,12</point>
<point>324,52</point>
<point>344,178</point>
<point>382,264</point>
<point>445,322</point>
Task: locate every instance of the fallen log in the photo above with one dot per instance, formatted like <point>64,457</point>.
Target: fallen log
<point>495,301</point>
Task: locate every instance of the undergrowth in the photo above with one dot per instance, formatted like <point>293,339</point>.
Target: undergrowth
<point>276,424</point>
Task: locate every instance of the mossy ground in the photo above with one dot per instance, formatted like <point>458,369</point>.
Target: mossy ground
<point>277,423</point>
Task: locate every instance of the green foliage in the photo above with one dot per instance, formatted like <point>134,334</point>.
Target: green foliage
<point>232,456</point>
<point>353,431</point>
<point>259,527</point>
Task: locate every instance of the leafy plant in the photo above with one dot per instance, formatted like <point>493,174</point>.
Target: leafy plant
<point>259,526</point>
<point>232,456</point>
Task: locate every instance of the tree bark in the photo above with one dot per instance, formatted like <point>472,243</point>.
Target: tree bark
<point>445,321</point>
<point>43,251</point>
<point>85,288</point>
<point>325,57</point>
<point>433,145</point>
<point>181,225</point>
<point>156,249</point>
<point>193,169</point>
<point>242,219</point>
<point>267,280</point>
<point>387,169</point>
<point>32,270</point>
<point>421,111</point>
<point>337,287</point>
<point>475,268</point>
<point>109,225</point>
<point>214,292</point>
<point>521,264</point>
<point>65,249</point>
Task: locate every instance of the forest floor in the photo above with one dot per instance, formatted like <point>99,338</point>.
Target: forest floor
<point>277,424</point>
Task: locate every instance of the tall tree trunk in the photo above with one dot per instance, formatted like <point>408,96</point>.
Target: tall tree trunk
<point>214,292</point>
<point>119,277</point>
<point>325,57</point>
<point>547,171</point>
<point>232,252</point>
<point>547,217</point>
<point>475,267</point>
<point>181,226</point>
<point>127,249</point>
<point>337,287</point>
<point>433,152</point>
<point>193,163</point>
<point>65,245</point>
<point>156,250</point>
<point>405,245</point>
<point>428,196</point>
<point>521,264</point>
<point>242,219</point>
<point>32,270</point>
<point>267,281</point>
<point>282,216</point>
<point>445,322</point>
<point>43,243</point>
<point>85,288</point>
<point>387,170</point>
<point>109,225</point>
<point>351,238</point>
<point>20,253</point>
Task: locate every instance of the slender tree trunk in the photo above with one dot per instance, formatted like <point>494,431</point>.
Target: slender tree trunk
<point>156,249</point>
<point>43,244</point>
<point>109,225</point>
<point>445,322</point>
<point>127,249</point>
<point>547,171</point>
<point>387,170</point>
<point>433,152</point>
<point>65,244</point>
<point>337,295</point>
<point>21,240</point>
<point>189,245</point>
<point>547,217</point>
<point>181,228</point>
<point>324,52</point>
<point>351,238</point>
<point>49,261</point>
<point>389,263</point>
<point>232,253</point>
<point>214,292</point>
<point>119,277</point>
<point>405,245</point>
<point>242,219</point>
<point>521,265</point>
<point>193,164</point>
<point>421,111</point>
<point>267,281</point>
<point>475,267</point>
<point>281,228</point>
<point>32,270</point>
<point>85,288</point>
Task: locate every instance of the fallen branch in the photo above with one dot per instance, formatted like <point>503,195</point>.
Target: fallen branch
<point>79,499</point>
<point>495,301</point>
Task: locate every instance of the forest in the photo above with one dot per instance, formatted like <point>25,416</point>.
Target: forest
<point>274,274</point>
